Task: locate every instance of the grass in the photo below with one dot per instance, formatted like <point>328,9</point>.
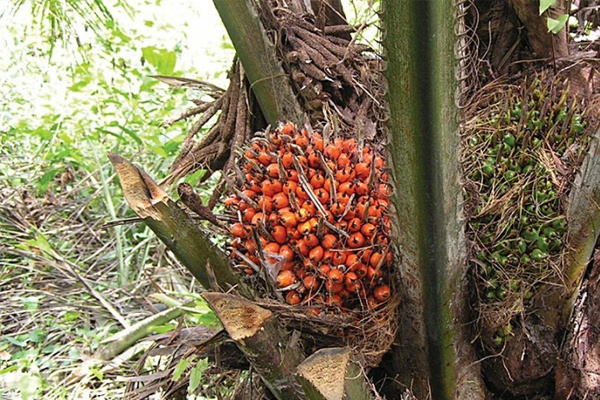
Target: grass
<point>63,292</point>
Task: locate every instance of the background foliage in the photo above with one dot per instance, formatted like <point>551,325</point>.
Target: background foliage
<point>71,90</point>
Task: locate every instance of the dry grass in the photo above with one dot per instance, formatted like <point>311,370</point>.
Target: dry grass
<point>60,292</point>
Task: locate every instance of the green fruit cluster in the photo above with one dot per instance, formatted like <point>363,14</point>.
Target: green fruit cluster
<point>521,152</point>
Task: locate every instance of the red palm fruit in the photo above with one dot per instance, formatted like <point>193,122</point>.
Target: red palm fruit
<point>361,188</point>
<point>301,193</point>
<point>293,298</point>
<point>288,129</point>
<point>316,140</point>
<point>383,191</point>
<point>231,201</point>
<point>375,211</point>
<point>317,180</point>
<point>289,187</point>
<point>335,275</point>
<point>322,195</point>
<point>338,257</point>
<point>272,247</point>
<point>273,219</point>
<point>368,230</point>
<point>351,260</point>
<point>373,274</point>
<point>303,215</point>
<point>360,270</point>
<point>332,152</point>
<point>265,203</point>
<point>307,264</point>
<point>342,198</point>
<point>249,214</point>
<point>309,206</point>
<point>382,293</point>
<point>268,188</point>
<point>316,254</point>
<point>327,256</point>
<point>343,225</point>
<point>337,208</point>
<point>303,161</point>
<point>259,216</point>
<point>302,247</point>
<point>375,259</point>
<point>310,282</point>
<point>250,154</point>
<point>350,214</point>
<point>287,266</point>
<point>293,233</point>
<point>327,184</point>
<point>250,193</point>
<point>305,227</point>
<point>287,159</point>
<point>349,145</point>
<point>350,278</point>
<point>265,158</point>
<point>286,252</point>
<point>285,278</point>
<point>250,246</point>
<point>354,225</point>
<point>372,303</point>
<point>274,138</point>
<point>280,200</point>
<point>279,233</point>
<point>329,241</point>
<point>311,240</point>
<point>288,219</point>
<point>365,256</point>
<point>343,160</point>
<point>343,175</point>
<point>324,269</point>
<point>313,159</point>
<point>292,175</point>
<point>314,223</point>
<point>273,170</point>
<point>239,230</point>
<point>301,140</point>
<point>363,170</point>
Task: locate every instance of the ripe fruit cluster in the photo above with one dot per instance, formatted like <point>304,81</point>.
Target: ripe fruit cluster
<point>312,218</point>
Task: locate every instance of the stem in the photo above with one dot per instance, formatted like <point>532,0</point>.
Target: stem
<point>174,227</point>
<point>272,351</point>
<point>331,374</point>
<point>583,217</point>
<point>121,341</point>
<point>268,81</point>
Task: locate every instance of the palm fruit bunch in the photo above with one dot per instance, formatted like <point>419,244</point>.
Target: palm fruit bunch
<point>311,219</point>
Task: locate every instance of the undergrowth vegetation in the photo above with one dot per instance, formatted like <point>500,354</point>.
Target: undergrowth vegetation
<point>70,277</point>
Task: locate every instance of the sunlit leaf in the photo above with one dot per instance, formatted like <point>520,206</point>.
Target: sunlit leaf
<point>546,4</point>
<point>556,25</point>
<point>180,368</point>
<point>196,375</point>
<point>161,59</point>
